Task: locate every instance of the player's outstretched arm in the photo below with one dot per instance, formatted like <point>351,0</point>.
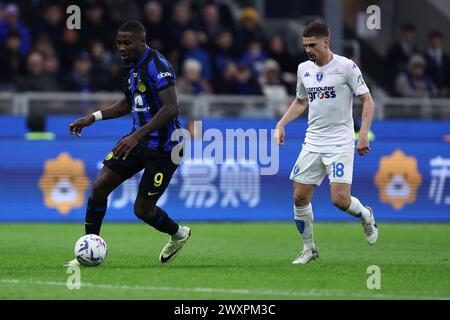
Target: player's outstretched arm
<point>118,109</point>
<point>367,115</point>
<point>294,111</point>
<point>168,111</point>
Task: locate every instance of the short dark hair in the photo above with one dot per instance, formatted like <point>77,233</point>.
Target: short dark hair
<point>132,26</point>
<point>316,29</point>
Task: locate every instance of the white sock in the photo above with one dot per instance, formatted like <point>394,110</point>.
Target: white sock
<point>180,234</point>
<point>357,210</point>
<point>304,220</point>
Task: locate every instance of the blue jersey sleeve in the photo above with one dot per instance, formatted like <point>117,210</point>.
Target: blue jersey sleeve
<point>161,73</point>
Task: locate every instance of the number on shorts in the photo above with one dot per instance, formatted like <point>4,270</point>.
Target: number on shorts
<point>338,169</point>
<point>158,179</point>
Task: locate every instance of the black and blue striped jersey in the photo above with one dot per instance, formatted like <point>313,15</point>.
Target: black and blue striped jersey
<point>146,78</point>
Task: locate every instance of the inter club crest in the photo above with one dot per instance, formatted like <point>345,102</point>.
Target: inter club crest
<point>319,76</point>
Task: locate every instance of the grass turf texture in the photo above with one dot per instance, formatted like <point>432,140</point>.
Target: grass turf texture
<point>229,261</point>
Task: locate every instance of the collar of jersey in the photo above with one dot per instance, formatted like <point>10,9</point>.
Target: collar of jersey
<point>137,65</point>
<point>328,64</point>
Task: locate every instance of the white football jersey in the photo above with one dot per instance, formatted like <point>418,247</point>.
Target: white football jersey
<point>329,90</point>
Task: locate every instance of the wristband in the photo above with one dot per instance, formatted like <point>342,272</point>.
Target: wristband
<point>98,115</point>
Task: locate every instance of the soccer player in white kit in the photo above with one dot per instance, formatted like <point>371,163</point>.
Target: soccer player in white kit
<point>327,83</point>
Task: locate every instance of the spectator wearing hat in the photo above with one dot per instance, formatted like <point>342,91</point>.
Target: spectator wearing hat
<point>13,23</point>
<point>438,63</point>
<point>249,29</point>
<point>414,82</point>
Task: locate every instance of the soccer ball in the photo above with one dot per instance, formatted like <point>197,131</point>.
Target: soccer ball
<point>91,250</point>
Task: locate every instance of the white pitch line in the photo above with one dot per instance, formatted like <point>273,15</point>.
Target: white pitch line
<point>264,292</point>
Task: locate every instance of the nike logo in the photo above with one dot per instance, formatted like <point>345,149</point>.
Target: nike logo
<point>165,259</point>
<point>152,193</point>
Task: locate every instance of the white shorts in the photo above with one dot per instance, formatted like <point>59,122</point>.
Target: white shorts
<point>311,167</point>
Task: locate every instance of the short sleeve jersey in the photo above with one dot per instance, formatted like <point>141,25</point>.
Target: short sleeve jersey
<point>151,74</point>
<point>329,90</point>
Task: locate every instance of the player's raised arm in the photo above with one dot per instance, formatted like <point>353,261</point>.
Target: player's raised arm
<point>118,109</point>
<point>294,111</point>
<point>367,115</point>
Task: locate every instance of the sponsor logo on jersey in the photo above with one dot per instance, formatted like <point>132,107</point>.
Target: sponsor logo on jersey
<point>141,86</point>
<point>319,76</point>
<point>163,75</point>
<point>306,75</point>
<point>138,105</point>
<point>321,93</point>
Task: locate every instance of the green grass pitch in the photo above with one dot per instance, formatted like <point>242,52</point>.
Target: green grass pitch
<point>229,261</point>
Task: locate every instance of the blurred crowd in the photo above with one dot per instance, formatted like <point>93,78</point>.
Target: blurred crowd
<point>212,50</point>
<point>411,72</point>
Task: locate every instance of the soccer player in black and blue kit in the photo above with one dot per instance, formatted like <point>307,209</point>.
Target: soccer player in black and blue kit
<point>150,97</point>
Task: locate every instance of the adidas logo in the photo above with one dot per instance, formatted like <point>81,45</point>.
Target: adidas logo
<point>306,75</point>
